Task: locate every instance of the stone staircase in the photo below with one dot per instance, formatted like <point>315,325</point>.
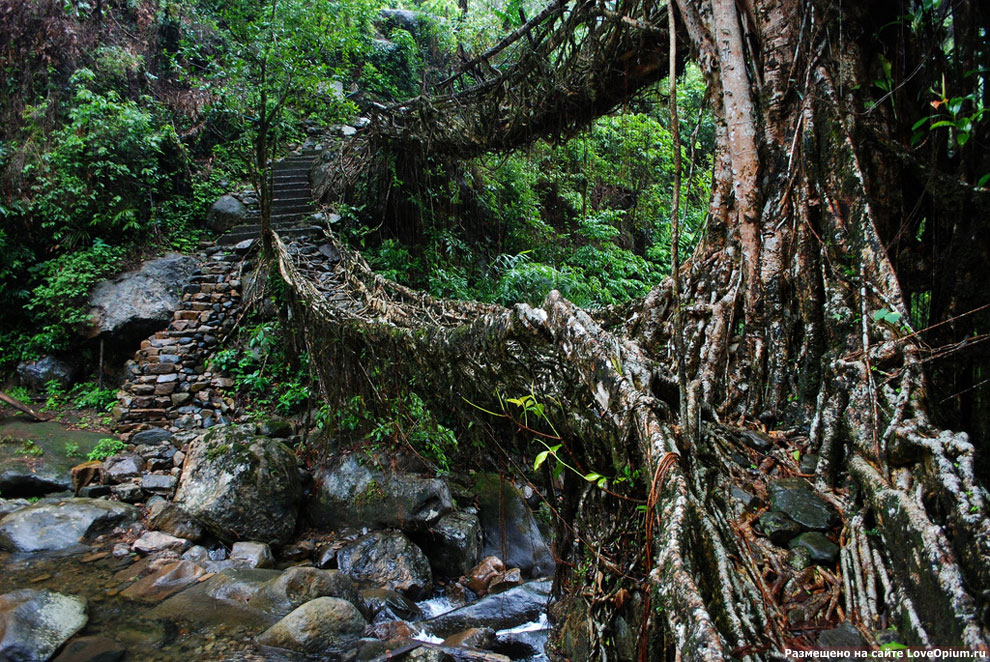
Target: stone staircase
<point>170,384</point>
<point>292,202</point>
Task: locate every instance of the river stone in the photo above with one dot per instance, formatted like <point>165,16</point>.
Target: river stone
<point>516,606</point>
<point>382,604</point>
<point>151,437</point>
<point>471,638</point>
<point>122,468</point>
<point>795,498</point>
<point>168,580</point>
<point>240,485</point>
<point>225,213</point>
<point>778,527</point>
<point>151,542</point>
<point>320,624</point>
<point>91,649</point>
<point>137,303</point>
<point>454,544</point>
<point>389,559</point>
<point>36,374</point>
<point>822,550</point>
<point>61,525</point>
<point>352,494</point>
<point>252,555</point>
<point>510,530</point>
<point>257,596</point>
<point>174,520</point>
<point>34,624</point>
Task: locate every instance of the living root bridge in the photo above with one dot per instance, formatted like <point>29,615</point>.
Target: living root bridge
<point>716,589</point>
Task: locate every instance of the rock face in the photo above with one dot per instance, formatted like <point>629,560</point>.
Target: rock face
<point>240,485</point>
<point>33,624</point>
<point>510,530</point>
<point>516,606</point>
<point>389,559</point>
<point>352,494</point>
<point>139,302</point>
<point>36,374</point>
<point>63,525</point>
<point>455,544</point>
<point>318,625</point>
<point>225,213</point>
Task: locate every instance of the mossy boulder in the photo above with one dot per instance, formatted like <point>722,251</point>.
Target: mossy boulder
<point>241,486</point>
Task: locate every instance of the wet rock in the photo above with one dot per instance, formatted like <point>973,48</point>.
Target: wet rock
<point>128,492</point>
<point>174,520</point>
<point>225,213</point>
<point>256,596</point>
<point>479,577</point>
<point>454,543</point>
<point>352,494</point>
<point>122,468</point>
<point>151,437</point>
<point>799,558</point>
<point>240,485</point>
<point>505,581</point>
<point>37,458</point>
<point>36,374</point>
<point>778,527</point>
<point>756,440</point>
<point>197,554</point>
<point>300,551</point>
<point>320,624</point>
<point>34,624</point>
<point>516,606</point>
<point>795,498</point>
<point>8,506</point>
<point>252,555</point>
<point>742,497</point>
<point>137,303</point>
<point>844,636</point>
<point>152,542</point>
<point>278,428</point>
<point>384,604</point>
<point>168,580</point>
<point>61,525</point>
<point>472,638</point>
<point>821,549</point>
<point>808,463</point>
<point>394,631</point>
<point>389,559</point>
<point>91,649</point>
<point>510,530</point>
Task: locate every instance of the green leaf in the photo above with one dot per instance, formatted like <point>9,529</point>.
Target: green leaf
<point>880,314</point>
<point>983,180</point>
<point>962,138</point>
<point>893,646</point>
<point>592,477</point>
<point>892,317</point>
<point>540,459</point>
<point>797,455</point>
<point>920,123</point>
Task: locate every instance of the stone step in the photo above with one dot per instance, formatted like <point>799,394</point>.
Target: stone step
<point>281,171</point>
<point>282,209</point>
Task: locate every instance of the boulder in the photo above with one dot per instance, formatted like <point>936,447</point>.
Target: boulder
<point>226,213</point>
<point>61,525</point>
<point>403,19</point>
<point>256,596</point>
<point>34,624</point>
<point>795,498</point>
<point>319,625</point>
<point>821,550</point>
<point>353,494</point>
<point>778,527</point>
<point>389,559</point>
<point>36,374</point>
<point>240,485</point>
<point>510,530</point>
<point>252,555</point>
<point>454,544</point>
<point>516,606</point>
<point>137,303</point>
<point>151,437</point>
<point>483,574</point>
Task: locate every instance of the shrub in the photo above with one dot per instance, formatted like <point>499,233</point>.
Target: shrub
<point>105,448</point>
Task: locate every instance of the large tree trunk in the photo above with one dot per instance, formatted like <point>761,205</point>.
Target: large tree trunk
<point>779,302</point>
